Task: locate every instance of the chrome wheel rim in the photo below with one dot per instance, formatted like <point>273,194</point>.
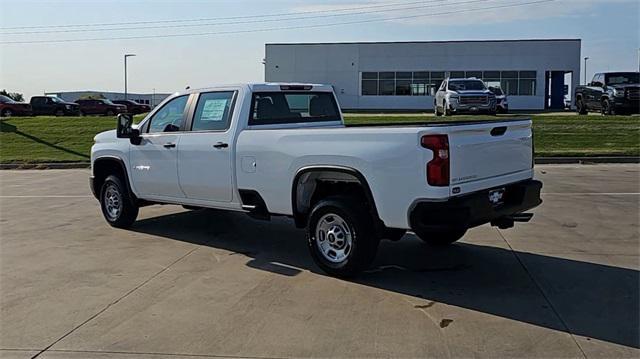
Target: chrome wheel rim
<point>112,202</point>
<point>334,238</point>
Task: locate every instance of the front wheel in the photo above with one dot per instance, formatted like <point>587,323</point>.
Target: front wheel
<point>340,236</point>
<point>436,111</point>
<point>440,238</point>
<point>7,113</point>
<point>117,207</point>
<point>59,113</point>
<point>110,113</point>
<point>446,109</point>
<point>607,109</point>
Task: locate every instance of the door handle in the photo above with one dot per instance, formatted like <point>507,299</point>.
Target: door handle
<point>221,145</point>
<point>169,145</point>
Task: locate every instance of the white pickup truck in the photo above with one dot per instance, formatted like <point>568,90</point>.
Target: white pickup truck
<point>283,149</point>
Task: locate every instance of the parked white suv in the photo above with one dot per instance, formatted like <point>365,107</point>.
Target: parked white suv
<point>283,149</point>
<point>464,96</point>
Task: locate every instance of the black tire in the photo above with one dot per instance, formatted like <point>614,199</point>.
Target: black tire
<point>7,113</point>
<point>349,218</point>
<point>110,113</point>
<point>393,234</point>
<point>607,109</point>
<point>446,109</point>
<point>59,113</point>
<point>440,238</point>
<point>581,109</point>
<point>117,206</point>
<point>435,109</point>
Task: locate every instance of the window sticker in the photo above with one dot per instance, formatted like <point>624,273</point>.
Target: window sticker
<point>213,110</point>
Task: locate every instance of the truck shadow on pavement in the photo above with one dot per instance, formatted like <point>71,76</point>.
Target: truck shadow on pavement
<point>587,299</point>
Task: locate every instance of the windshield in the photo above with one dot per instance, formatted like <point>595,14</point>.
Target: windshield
<point>461,85</point>
<point>56,99</point>
<point>108,102</point>
<point>620,78</point>
<point>5,99</point>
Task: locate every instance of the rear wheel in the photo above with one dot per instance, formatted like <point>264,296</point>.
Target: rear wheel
<point>109,113</point>
<point>7,113</point>
<point>580,107</point>
<point>340,236</point>
<point>117,207</point>
<point>440,238</point>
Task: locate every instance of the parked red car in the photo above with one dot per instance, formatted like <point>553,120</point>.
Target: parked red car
<point>133,107</point>
<point>9,107</point>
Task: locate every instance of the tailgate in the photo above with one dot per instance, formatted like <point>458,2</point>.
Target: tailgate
<point>489,152</point>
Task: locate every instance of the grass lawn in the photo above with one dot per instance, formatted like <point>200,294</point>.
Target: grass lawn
<point>68,139</point>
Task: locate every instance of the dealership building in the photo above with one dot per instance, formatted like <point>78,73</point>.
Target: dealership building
<point>401,76</point>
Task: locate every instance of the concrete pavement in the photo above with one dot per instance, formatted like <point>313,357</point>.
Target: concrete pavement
<point>210,284</point>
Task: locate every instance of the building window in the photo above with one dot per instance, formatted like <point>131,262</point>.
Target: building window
<point>527,83</point>
<point>476,74</point>
<point>387,87</point>
<point>425,83</point>
<point>419,83</point>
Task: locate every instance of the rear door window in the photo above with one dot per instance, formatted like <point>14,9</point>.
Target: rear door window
<point>213,111</point>
<point>293,107</point>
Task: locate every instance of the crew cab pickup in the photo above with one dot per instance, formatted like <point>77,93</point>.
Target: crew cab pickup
<point>283,149</point>
<point>610,93</point>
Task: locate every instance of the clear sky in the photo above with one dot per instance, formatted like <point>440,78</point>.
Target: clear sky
<point>609,29</point>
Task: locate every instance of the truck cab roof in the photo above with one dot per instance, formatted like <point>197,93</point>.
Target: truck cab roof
<point>265,87</point>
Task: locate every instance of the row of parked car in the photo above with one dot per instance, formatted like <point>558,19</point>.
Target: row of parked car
<point>55,106</point>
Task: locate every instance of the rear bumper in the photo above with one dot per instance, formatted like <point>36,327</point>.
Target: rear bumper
<point>474,209</point>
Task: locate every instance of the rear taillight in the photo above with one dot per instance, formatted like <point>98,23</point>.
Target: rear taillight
<point>438,167</point>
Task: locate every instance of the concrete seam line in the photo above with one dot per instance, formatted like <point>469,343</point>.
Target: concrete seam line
<point>544,295</point>
<point>114,302</point>
<point>164,354</point>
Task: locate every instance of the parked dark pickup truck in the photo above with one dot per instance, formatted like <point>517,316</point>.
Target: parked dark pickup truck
<point>133,107</point>
<point>610,93</point>
<point>51,105</point>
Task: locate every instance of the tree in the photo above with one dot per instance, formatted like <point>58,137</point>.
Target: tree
<point>92,96</point>
<point>15,96</point>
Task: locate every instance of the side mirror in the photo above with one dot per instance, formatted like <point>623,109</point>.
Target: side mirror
<point>124,129</point>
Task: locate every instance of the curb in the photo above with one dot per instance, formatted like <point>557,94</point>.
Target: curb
<point>538,161</point>
<point>586,160</point>
<point>44,166</point>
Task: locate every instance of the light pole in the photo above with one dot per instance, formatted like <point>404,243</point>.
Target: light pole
<point>585,69</point>
<point>125,73</point>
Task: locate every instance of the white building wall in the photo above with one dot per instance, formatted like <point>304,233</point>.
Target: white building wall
<point>341,65</point>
